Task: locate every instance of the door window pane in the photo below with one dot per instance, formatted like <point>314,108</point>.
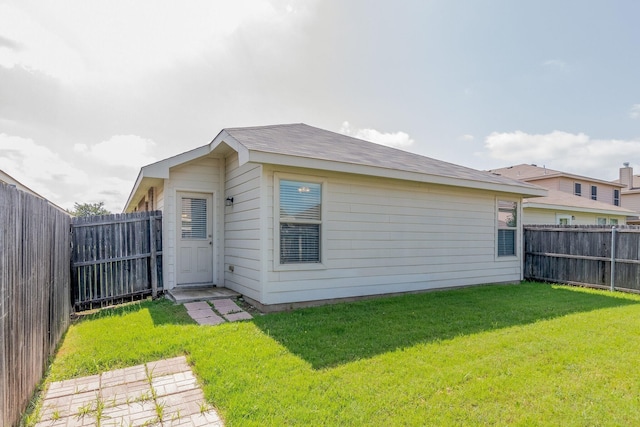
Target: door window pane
<point>194,218</point>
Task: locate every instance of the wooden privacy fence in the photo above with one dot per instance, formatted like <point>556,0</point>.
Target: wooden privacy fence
<point>115,257</point>
<point>584,255</point>
<point>34,294</point>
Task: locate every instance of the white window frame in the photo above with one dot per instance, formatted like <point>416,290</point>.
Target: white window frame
<point>517,228</point>
<point>575,188</point>
<point>277,266</point>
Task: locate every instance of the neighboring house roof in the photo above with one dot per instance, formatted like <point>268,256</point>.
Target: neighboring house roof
<point>559,200</point>
<point>531,173</point>
<point>307,146</point>
<point>8,179</point>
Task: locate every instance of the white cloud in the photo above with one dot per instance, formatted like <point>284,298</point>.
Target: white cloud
<point>37,167</point>
<point>34,47</point>
<point>634,113</point>
<point>557,64</point>
<point>395,139</point>
<point>118,40</point>
<point>121,150</point>
<point>569,152</point>
<point>466,137</point>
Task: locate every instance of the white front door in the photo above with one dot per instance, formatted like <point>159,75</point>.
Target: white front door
<point>195,238</point>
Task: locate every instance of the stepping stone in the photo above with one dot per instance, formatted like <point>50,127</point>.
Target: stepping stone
<point>214,319</point>
<point>226,306</point>
<point>243,315</point>
<point>201,314</point>
<point>200,305</point>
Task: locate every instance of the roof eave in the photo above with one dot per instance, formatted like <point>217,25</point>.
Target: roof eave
<point>557,207</point>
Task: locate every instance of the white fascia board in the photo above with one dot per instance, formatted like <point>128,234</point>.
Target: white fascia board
<point>133,192</point>
<point>304,162</point>
<point>576,209</point>
<point>225,138</point>
<point>161,169</point>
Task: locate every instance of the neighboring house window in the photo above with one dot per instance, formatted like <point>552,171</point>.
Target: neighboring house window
<point>507,227</point>
<point>613,221</point>
<point>577,189</point>
<point>602,221</point>
<point>594,192</point>
<point>300,222</point>
<point>616,197</point>
<point>562,219</point>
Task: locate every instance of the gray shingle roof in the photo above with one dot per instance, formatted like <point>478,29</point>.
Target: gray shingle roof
<point>306,141</point>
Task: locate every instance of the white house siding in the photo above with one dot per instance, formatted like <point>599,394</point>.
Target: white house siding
<point>242,228</point>
<point>159,197</point>
<point>202,176</point>
<point>385,236</point>
<point>549,216</point>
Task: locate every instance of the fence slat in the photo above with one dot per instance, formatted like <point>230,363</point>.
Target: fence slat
<point>114,258</point>
<point>34,294</point>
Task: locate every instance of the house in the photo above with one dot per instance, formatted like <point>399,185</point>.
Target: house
<point>572,199</point>
<point>630,194</point>
<point>9,180</point>
<point>288,214</point>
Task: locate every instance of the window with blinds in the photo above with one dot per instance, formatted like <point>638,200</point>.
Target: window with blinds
<point>507,227</point>
<point>300,222</point>
<point>194,218</point>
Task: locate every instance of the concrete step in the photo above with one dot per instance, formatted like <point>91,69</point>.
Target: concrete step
<point>181,294</point>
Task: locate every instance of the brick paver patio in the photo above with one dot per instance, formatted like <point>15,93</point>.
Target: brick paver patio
<point>162,393</point>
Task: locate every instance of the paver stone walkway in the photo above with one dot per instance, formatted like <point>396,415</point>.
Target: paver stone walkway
<point>162,393</point>
<point>227,310</point>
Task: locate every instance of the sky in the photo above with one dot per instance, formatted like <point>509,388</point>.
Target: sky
<point>91,91</point>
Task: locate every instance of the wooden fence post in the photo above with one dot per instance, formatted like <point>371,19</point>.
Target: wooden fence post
<point>613,258</point>
<point>152,259</point>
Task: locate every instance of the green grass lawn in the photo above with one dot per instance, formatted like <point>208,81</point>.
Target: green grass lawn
<point>530,354</point>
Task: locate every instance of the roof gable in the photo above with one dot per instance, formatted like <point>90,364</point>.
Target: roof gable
<point>302,145</point>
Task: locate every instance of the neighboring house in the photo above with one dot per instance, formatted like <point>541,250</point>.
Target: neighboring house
<point>572,199</point>
<point>8,179</point>
<point>562,208</point>
<point>630,195</point>
<point>291,213</point>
